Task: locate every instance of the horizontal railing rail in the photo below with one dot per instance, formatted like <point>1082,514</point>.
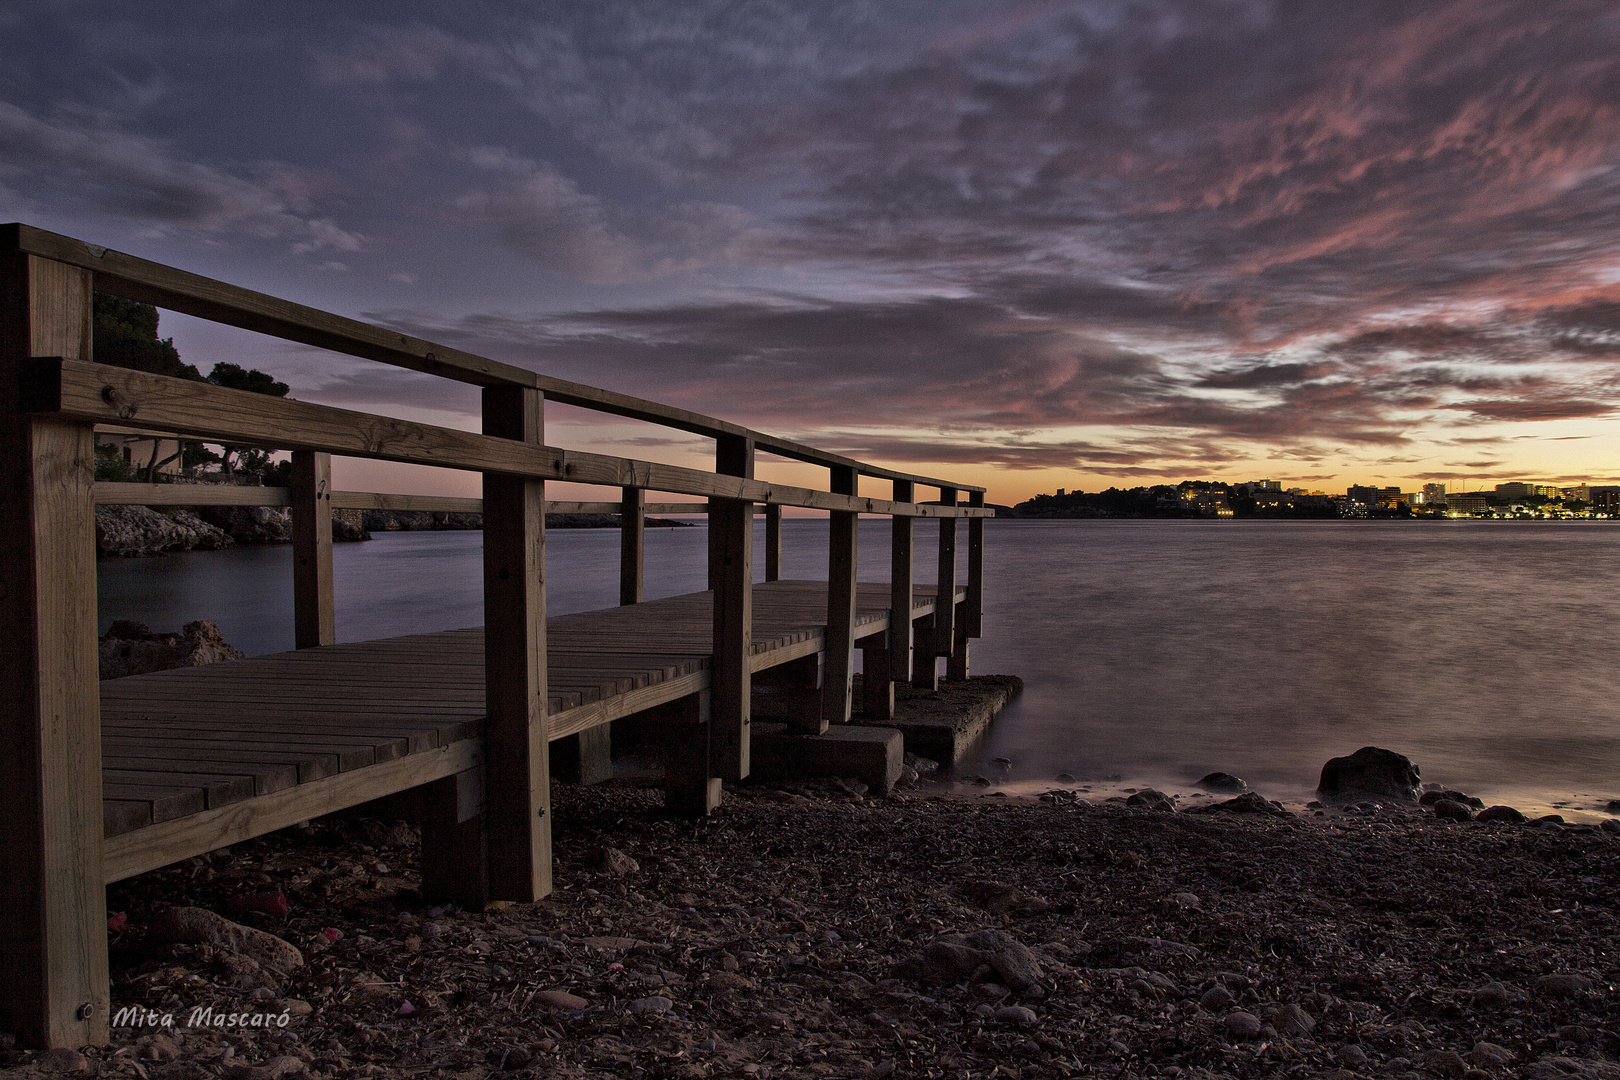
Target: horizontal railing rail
<point>121,493</point>
<point>96,393</point>
<point>164,286</point>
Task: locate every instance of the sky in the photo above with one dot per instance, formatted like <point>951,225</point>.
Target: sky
<point>1027,245</point>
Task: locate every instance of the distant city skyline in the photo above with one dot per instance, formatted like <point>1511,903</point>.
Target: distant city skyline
<point>1025,243</point>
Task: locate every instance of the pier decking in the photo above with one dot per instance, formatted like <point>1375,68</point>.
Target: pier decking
<point>185,753</point>
<point>102,781</point>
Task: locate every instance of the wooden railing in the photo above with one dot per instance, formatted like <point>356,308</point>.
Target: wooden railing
<point>52,396</point>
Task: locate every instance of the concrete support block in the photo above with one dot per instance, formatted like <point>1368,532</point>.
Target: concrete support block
<point>871,755</point>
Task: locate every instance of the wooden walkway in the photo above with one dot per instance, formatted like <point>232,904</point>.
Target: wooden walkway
<point>194,758</point>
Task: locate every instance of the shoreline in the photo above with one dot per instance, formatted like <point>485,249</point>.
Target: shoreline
<point>806,931</point>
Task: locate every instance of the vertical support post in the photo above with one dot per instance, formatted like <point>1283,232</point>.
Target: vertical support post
<point>731,577</point>
<point>632,545</point>
<point>975,597</point>
<point>900,584</point>
<point>453,863</point>
<point>945,600</point>
<point>877,685</point>
<point>691,790</point>
<point>956,666</point>
<point>517,806</point>
<point>53,939</point>
<point>773,542</point>
<point>310,489</point>
<point>839,642</point>
<point>924,664</point>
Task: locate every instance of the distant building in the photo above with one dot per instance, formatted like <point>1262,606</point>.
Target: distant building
<point>1472,502</point>
<point>1390,497</point>
<point>1605,500</point>
<point>1515,489</point>
<point>1434,494</point>
<point>1062,492</point>
<point>1362,495</point>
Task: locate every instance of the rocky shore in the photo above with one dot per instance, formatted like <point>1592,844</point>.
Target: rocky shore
<point>813,931</point>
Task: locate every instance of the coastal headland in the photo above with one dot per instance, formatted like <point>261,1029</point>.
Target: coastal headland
<point>812,931</point>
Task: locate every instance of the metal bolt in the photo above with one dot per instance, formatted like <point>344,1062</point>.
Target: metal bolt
<point>84,1011</point>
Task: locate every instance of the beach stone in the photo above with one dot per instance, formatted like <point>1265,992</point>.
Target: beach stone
<point>1499,813</point>
<point>1223,784</point>
<point>651,1006</point>
<point>1017,1015</point>
<point>61,1060</point>
<point>1575,1033</point>
<point>1293,1020</point>
<point>1446,1063</point>
<point>1068,778</point>
<point>1493,995</point>
<point>1242,1025</point>
<point>725,982</point>
<point>1216,998</point>
<point>1451,810</point>
<point>1250,802</point>
<point>1150,799</point>
<point>560,999</point>
<point>1370,771</point>
<point>274,1068</point>
<point>1569,1068</point>
<point>1352,1056</point>
<point>1610,825</point>
<point>1434,795</point>
<point>1186,899</point>
<point>612,861</point>
<point>131,648</point>
<point>1563,984</point>
<point>1488,1055</point>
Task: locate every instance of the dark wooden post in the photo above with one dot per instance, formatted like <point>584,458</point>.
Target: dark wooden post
<point>839,642</point>
<point>970,616</point>
<point>900,584</point>
<point>453,857</point>
<point>773,542</point>
<point>731,576</point>
<point>53,936</point>
<point>517,794</point>
<point>877,686</point>
<point>632,545</point>
<point>310,489</point>
<point>945,600</point>
<point>691,790</point>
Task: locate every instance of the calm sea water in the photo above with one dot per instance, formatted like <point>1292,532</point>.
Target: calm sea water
<point>1152,652</point>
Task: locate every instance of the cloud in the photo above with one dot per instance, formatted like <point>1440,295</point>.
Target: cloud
<point>140,179</point>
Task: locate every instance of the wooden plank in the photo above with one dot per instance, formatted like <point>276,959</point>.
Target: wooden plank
<point>632,545</point>
<point>433,504</point>
<point>517,812</point>
<point>839,669</point>
<point>159,845</point>
<point>902,588</point>
<point>945,607</point>
<point>168,802</point>
<point>314,623</point>
<point>98,394</point>
<point>110,493</point>
<point>773,542</point>
<point>124,815</point>
<point>219,789</point>
<point>53,939</point>
<point>267,776</point>
<point>731,579</point>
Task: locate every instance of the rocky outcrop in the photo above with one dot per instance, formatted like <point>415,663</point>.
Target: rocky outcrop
<point>417,521</point>
<point>131,648</point>
<point>133,531</point>
<point>1369,773</point>
<point>251,525</point>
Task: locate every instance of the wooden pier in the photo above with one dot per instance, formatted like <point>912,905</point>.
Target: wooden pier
<point>103,781</point>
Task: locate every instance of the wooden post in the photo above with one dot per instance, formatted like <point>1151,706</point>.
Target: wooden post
<point>632,545</point>
<point>731,576</point>
<point>517,796</point>
<point>877,686</point>
<point>975,597</point>
<point>944,634</point>
<point>773,542</point>
<point>924,664</point>
<point>691,790</point>
<point>453,862</point>
<point>956,666</point>
<point>900,584</point>
<point>839,672</point>
<point>310,488</point>
<point>53,936</point>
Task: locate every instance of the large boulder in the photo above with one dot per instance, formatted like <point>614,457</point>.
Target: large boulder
<point>1370,772</point>
<point>130,648</point>
<point>251,524</point>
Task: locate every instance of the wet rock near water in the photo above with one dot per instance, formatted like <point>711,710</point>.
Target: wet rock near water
<point>930,934</point>
<point>132,648</point>
<point>1223,784</point>
<point>251,525</point>
<point>1369,772</point>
